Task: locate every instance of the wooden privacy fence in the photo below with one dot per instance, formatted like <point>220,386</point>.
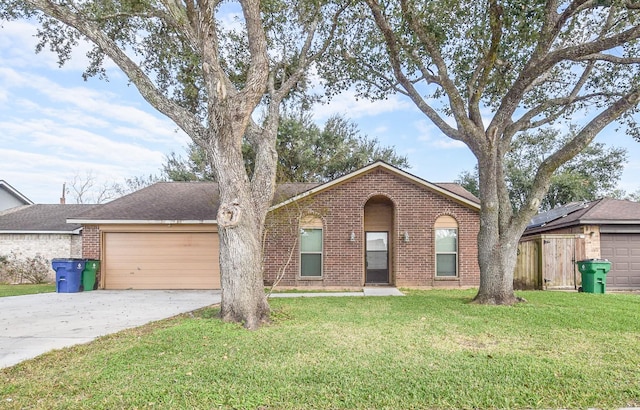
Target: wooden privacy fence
<point>548,262</point>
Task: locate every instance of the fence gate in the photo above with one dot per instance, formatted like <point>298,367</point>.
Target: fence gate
<point>548,262</point>
<point>559,255</point>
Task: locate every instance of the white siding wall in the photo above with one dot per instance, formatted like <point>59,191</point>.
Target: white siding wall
<point>8,201</point>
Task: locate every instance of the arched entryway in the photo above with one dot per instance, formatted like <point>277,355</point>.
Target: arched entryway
<point>378,231</point>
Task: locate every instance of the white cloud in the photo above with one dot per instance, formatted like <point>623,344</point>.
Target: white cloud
<point>91,108</point>
<point>347,104</point>
<point>51,131</point>
<point>382,129</point>
<point>18,43</point>
<point>433,137</point>
<point>40,176</point>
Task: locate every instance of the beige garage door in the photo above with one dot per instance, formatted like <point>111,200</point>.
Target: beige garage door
<point>180,260</point>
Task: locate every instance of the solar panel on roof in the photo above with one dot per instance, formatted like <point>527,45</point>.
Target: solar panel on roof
<point>556,213</point>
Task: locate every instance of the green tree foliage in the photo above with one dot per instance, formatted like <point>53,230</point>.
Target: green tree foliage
<point>306,153</point>
<point>486,71</point>
<point>591,174</point>
<point>193,168</point>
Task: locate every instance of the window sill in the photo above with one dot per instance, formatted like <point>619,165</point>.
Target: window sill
<point>447,278</point>
<point>312,278</point>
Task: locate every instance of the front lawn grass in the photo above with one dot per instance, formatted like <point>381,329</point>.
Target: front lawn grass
<point>26,289</point>
<point>430,349</point>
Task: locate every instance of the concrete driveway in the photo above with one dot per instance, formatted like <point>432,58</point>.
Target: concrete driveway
<point>34,324</point>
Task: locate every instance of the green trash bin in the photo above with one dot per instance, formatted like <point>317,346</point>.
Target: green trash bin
<point>91,268</point>
<point>594,275</point>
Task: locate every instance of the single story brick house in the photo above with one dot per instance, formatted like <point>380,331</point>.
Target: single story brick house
<point>378,225</point>
<point>603,229</point>
<point>42,229</point>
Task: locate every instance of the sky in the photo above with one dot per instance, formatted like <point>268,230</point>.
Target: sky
<point>54,126</point>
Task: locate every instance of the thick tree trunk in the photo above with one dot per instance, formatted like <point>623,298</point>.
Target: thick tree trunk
<point>498,237</point>
<point>243,297</point>
<point>497,264</point>
<point>240,218</point>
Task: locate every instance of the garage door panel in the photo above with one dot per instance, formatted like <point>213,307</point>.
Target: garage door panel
<point>123,279</point>
<point>152,249</point>
<point>623,250</point>
<point>161,260</point>
<point>131,256</point>
<point>156,265</point>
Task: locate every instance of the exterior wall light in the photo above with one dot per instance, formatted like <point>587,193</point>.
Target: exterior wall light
<point>352,237</point>
<point>405,237</point>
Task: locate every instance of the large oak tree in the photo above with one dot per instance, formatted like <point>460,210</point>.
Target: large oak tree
<point>485,71</point>
<point>214,81</point>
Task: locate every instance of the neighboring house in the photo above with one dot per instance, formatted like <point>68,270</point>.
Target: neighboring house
<point>43,230</point>
<point>377,225</point>
<point>10,197</point>
<point>603,229</point>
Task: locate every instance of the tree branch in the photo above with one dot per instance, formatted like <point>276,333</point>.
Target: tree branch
<point>486,64</point>
<point>540,63</point>
<point>608,58</point>
<point>394,57</point>
<point>572,148</point>
<point>183,118</point>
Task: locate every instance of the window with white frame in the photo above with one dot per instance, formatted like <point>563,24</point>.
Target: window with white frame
<point>311,248</point>
<point>446,233</point>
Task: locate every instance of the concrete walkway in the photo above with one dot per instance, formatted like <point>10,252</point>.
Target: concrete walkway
<point>367,291</point>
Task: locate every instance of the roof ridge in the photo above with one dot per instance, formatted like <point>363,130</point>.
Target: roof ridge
<point>592,206</point>
<point>14,209</point>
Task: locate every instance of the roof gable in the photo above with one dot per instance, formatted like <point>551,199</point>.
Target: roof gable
<point>609,210</point>
<point>453,191</point>
<point>12,197</point>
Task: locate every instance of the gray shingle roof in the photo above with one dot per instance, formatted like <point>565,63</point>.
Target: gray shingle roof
<point>42,218</point>
<point>193,201</point>
<point>458,190</point>
<point>174,201</point>
<point>199,201</point>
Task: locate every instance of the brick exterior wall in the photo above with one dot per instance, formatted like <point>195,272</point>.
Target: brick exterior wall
<point>91,245</point>
<point>341,209</point>
<point>49,246</point>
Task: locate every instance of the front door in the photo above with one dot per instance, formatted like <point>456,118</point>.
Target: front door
<point>377,257</point>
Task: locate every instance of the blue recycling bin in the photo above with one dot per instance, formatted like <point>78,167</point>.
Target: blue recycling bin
<point>68,274</point>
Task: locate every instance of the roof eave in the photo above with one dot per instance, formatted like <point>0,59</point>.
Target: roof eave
<point>73,232</point>
<point>546,227</point>
<point>578,222</point>
<point>143,221</point>
<point>609,222</point>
